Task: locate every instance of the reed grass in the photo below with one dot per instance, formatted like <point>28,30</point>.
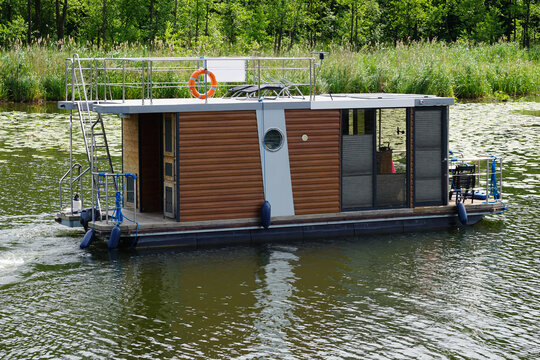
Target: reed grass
<point>462,70</point>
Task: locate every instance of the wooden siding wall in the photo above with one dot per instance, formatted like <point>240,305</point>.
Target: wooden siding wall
<point>130,147</point>
<point>220,166</point>
<point>315,163</point>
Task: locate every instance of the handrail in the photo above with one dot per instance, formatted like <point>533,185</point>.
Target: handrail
<point>198,58</point>
<point>75,165</point>
<point>67,172</point>
<point>489,177</point>
<point>123,191</point>
<point>80,175</point>
<point>122,73</point>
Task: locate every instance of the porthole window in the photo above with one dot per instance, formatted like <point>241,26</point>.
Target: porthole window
<point>273,140</point>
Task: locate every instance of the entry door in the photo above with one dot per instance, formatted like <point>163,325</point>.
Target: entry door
<point>430,149</point>
<point>357,127</point>
<point>169,161</point>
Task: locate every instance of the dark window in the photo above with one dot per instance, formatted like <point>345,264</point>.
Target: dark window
<point>357,122</point>
<point>168,135</point>
<point>273,140</point>
<point>168,169</point>
<point>130,187</point>
<point>168,199</point>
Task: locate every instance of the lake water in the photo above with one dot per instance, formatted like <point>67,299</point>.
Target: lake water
<point>467,293</point>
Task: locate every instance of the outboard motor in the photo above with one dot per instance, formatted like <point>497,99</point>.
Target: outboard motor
<point>86,217</point>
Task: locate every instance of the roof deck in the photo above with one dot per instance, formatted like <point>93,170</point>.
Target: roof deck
<point>337,101</point>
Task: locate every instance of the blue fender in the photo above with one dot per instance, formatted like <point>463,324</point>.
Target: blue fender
<point>114,238</point>
<point>87,239</point>
<point>462,213</point>
<point>266,210</point>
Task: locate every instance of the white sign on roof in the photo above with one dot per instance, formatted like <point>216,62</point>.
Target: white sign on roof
<point>228,70</point>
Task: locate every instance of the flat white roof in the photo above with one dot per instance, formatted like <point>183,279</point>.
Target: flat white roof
<point>334,101</point>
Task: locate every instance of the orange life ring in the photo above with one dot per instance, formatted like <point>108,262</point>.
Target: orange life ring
<point>193,89</point>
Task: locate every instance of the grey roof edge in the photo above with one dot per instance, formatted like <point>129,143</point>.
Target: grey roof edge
<point>340,102</point>
<point>438,101</point>
<point>174,108</point>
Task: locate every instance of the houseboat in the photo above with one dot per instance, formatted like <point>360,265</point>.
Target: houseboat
<point>255,154</point>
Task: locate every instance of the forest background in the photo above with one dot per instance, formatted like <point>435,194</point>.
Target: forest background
<point>462,48</point>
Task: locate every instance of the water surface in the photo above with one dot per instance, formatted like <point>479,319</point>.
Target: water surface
<point>467,293</point>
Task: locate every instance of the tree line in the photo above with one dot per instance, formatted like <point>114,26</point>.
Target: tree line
<point>268,24</point>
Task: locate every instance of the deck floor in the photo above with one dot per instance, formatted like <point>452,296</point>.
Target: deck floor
<point>156,222</point>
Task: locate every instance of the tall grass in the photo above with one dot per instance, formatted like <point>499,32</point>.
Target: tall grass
<point>462,70</point>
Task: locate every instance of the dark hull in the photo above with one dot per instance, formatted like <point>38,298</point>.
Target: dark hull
<point>200,234</point>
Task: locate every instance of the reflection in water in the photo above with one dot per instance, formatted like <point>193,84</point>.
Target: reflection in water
<point>275,285</point>
<point>462,293</point>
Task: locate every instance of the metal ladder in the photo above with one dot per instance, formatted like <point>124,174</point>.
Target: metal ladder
<point>95,139</point>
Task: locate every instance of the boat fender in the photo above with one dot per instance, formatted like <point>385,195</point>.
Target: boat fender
<point>462,213</point>
<point>87,239</point>
<point>265,214</point>
<point>114,238</point>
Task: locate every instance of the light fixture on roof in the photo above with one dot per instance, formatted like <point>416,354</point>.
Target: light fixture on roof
<point>321,55</point>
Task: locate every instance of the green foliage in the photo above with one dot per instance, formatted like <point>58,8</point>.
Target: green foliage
<point>18,83</point>
<point>13,31</point>
<point>269,24</point>
<point>464,70</point>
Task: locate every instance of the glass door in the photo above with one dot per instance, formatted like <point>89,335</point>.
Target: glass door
<point>169,161</point>
<point>392,158</point>
<point>357,146</point>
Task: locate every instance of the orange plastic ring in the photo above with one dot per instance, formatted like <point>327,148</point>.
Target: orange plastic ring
<point>193,89</point>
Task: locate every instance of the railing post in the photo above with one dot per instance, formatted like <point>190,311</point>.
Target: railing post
<point>259,78</point>
<point>91,85</point>
<point>135,199</point>
<point>310,81</point>
<point>73,79</point>
<point>105,79</point>
<point>60,193</point>
<point>205,80</point>
<point>501,178</point>
<point>142,81</point>
<point>81,195</point>
<point>71,158</point>
<point>123,81</point>
<point>488,171</point>
<point>95,66</point>
<point>314,80</point>
<point>106,198</point>
<point>151,87</point>
<point>66,82</point>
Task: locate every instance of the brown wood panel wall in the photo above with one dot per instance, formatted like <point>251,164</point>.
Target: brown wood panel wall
<point>315,163</point>
<point>130,146</point>
<point>220,166</point>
